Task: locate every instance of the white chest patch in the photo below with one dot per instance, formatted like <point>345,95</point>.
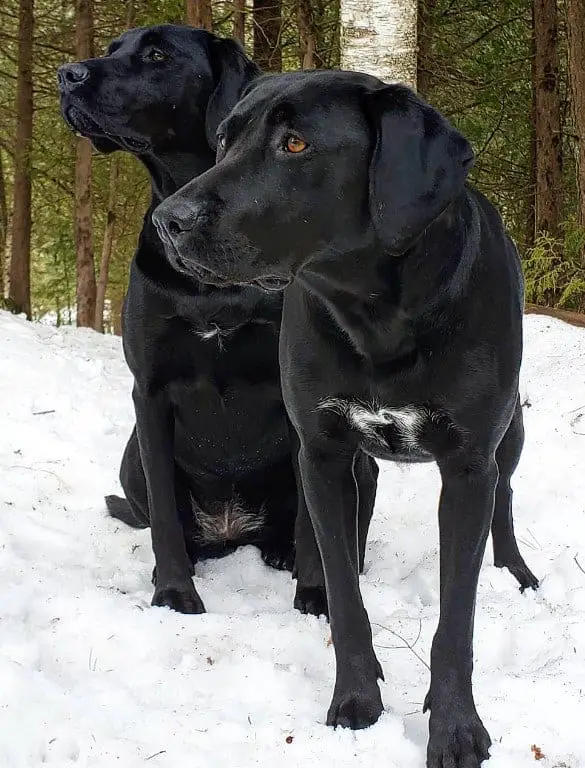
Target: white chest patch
<point>214,333</point>
<point>210,334</point>
<point>367,419</point>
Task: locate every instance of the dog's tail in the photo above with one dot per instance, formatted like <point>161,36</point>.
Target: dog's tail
<point>121,509</point>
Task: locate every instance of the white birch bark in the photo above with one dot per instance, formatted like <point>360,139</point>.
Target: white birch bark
<point>379,37</point>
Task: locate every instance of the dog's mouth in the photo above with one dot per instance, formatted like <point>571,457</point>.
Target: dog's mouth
<point>84,125</point>
<point>205,275</point>
<point>201,273</point>
<point>270,283</point>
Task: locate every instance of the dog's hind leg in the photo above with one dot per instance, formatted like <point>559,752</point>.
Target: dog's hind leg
<point>277,546</point>
<point>132,510</point>
<point>366,473</point>
<point>279,502</point>
<point>506,552</point>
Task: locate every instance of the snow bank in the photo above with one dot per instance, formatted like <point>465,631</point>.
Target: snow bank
<point>91,675</point>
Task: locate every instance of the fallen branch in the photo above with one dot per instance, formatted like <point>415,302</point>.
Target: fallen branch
<point>407,645</point>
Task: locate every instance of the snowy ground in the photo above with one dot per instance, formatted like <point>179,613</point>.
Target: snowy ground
<point>91,675</point>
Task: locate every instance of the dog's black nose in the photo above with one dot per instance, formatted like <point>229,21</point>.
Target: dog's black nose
<point>72,75</point>
<point>176,225</point>
<point>178,219</point>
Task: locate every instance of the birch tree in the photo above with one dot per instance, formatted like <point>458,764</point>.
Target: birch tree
<point>379,37</point>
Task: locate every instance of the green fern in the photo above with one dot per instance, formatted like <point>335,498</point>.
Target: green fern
<point>554,270</point>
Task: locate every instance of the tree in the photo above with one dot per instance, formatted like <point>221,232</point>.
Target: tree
<point>110,223</point>
<point>267,16</point>
<point>379,37</point>
<point>426,9</point>
<point>549,176</point>
<point>576,54</point>
<point>86,286</point>
<point>107,245</point>
<point>530,226</point>
<point>3,226</point>
<point>307,34</point>
<point>199,14</point>
<point>19,294</point>
<point>239,21</point>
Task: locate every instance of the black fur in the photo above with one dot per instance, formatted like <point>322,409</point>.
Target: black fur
<point>401,338</point>
<point>211,436</point>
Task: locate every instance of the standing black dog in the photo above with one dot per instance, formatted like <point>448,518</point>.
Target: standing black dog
<point>209,464</point>
<point>401,338</point>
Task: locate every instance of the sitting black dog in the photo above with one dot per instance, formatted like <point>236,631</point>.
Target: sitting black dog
<point>401,338</point>
<point>209,464</point>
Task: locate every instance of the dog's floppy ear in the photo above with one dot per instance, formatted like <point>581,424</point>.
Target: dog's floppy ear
<point>232,71</point>
<point>419,165</point>
<point>103,145</point>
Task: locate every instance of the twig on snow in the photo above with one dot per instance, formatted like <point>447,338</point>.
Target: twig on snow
<point>407,645</point>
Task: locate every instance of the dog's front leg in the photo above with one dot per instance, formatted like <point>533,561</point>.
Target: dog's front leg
<point>155,429</point>
<point>457,736</point>
<point>330,490</point>
<point>310,596</point>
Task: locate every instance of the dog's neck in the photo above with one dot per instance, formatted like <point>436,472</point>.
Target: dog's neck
<point>171,170</point>
<point>378,298</point>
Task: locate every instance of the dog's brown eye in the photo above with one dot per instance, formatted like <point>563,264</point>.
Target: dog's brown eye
<point>294,144</point>
<point>156,55</point>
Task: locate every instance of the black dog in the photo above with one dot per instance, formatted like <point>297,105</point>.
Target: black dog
<point>209,464</point>
<point>401,338</point>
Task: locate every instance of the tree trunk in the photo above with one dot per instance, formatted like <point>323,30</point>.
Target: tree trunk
<point>549,185</point>
<point>107,244</point>
<point>117,304</point>
<point>86,288</point>
<point>267,28</point>
<point>530,225</point>
<point>576,45</point>
<point>3,227</point>
<point>129,14</point>
<point>379,37</point>
<point>19,294</point>
<point>199,14</point>
<point>426,9</point>
<point>239,21</point>
<point>108,239</point>
<point>307,36</point>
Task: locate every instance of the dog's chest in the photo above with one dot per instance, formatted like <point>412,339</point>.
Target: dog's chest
<point>388,433</point>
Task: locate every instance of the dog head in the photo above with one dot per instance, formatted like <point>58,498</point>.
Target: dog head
<point>162,88</point>
<point>314,165</point>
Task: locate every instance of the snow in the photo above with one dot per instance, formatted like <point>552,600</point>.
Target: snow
<point>91,675</point>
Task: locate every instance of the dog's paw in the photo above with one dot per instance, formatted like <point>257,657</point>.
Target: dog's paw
<point>457,739</point>
<point>182,598</point>
<point>522,573</point>
<point>355,709</point>
<point>154,573</point>
<point>311,600</point>
<point>524,577</point>
<point>279,555</point>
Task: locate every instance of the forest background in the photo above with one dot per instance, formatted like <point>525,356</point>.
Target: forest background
<point>510,75</point>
